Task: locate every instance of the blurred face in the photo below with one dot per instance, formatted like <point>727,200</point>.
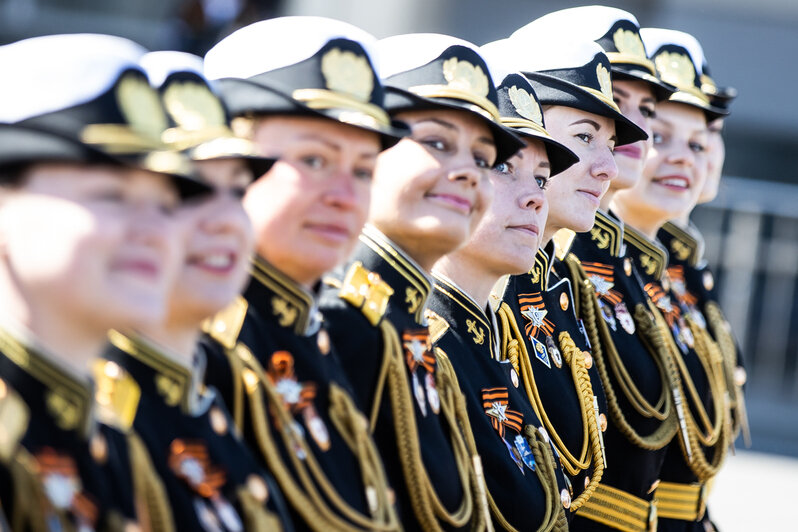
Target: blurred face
<point>507,238</point>
<point>217,242</point>
<point>637,103</point>
<point>308,210</point>
<point>716,154</point>
<point>675,169</point>
<point>431,189</point>
<point>575,194</point>
<point>91,244</point>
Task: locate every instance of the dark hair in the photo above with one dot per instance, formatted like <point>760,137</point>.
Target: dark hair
<point>12,175</point>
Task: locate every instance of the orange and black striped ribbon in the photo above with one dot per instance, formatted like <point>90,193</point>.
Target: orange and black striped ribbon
<point>658,296</point>
<point>428,359</point>
<point>676,275</point>
<point>525,301</point>
<point>281,367</point>
<point>604,271</point>
<point>212,477</point>
<point>497,398</point>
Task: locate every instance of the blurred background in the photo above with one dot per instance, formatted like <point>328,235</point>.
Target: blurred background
<point>751,230</point>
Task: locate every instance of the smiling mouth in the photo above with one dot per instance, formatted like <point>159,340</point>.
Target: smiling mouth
<point>630,151</point>
<point>330,231</point>
<point>530,230</point>
<point>142,268</point>
<point>453,202</point>
<point>221,262</point>
<point>678,183</point>
<point>594,197</point>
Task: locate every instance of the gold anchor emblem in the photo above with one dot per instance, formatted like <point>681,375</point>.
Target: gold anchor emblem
<point>535,273</point>
<point>648,264</point>
<point>287,313</point>
<point>413,299</point>
<point>680,249</point>
<point>479,334</point>
<point>602,239</point>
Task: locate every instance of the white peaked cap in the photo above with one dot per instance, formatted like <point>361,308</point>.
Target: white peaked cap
<point>587,22</point>
<point>160,65</point>
<point>55,72</point>
<point>279,42</point>
<point>547,49</point>
<point>401,53</point>
<point>500,63</point>
<point>653,38</point>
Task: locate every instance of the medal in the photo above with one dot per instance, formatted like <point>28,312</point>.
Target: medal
<point>625,319</point>
<point>514,455</point>
<point>514,377</point>
<point>606,313</point>
<point>522,446</point>
<point>583,330</point>
<point>206,517</point>
<point>554,352</point>
<point>540,351</point>
<point>432,393</point>
<point>317,428</point>
<point>418,391</point>
<point>227,514</point>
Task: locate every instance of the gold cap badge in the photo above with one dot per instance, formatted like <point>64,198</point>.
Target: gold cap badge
<point>193,106</point>
<point>141,106</point>
<point>605,82</point>
<point>628,42</point>
<point>525,105</point>
<point>347,72</point>
<point>463,76</point>
<point>676,69</point>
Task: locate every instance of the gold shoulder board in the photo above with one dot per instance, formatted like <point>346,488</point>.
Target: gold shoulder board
<point>116,396</point>
<point>366,291</point>
<point>437,326</point>
<point>226,325</point>
<point>14,417</point>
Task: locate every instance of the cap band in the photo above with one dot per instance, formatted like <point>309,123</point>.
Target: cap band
<point>517,122</point>
<point>118,138</point>
<point>362,113</point>
<point>601,96</point>
<point>632,59</point>
<point>447,91</point>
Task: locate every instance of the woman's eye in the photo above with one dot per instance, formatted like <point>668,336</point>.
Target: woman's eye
<point>481,162</point>
<point>656,138</point>
<point>238,192</point>
<point>542,181</point>
<point>697,147</point>
<point>648,112</point>
<point>503,168</point>
<point>435,144</point>
<point>584,137</point>
<point>364,174</point>
<point>315,162</point>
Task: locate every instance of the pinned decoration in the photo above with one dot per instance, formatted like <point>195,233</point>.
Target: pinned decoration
<point>463,76</point>
<point>527,457</point>
<point>495,403</point>
<point>629,42</point>
<point>605,81</point>
<point>564,301</point>
<point>525,105</point>
<point>432,393</point>
<point>625,318</point>
<point>347,72</point>
<point>541,353</point>
<point>418,356</point>
<point>554,351</point>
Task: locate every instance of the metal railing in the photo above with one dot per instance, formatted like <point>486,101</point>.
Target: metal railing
<point>751,233</point>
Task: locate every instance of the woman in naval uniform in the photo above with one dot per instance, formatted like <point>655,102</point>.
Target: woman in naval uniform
<point>542,336</point>
<point>314,101</point>
<point>672,180</point>
<point>85,235</point>
<point>429,193</point>
<point>523,480</point>
<point>210,479</point>
<point>635,370</point>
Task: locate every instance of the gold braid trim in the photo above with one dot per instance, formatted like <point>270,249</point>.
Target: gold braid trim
<point>425,502</point>
<point>151,499</point>
<point>601,340</point>
<point>691,446</point>
<point>574,357</point>
<point>719,326</point>
<point>237,370</point>
<point>255,515</point>
<point>554,519</point>
<point>513,344</point>
<point>303,491</point>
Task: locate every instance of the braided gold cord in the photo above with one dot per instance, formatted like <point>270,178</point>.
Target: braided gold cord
<point>601,340</point>
<point>718,324</point>
<point>31,505</point>
<point>305,498</point>
<point>152,502</point>
<point>425,502</point>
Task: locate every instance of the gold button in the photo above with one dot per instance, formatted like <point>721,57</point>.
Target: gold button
<point>602,422</point>
<point>132,526</point>
<point>257,487</point>
<point>565,499</point>
<point>391,496</point>
<point>323,341</point>
<point>627,266</point>
<point>653,486</point>
<point>543,434</point>
<point>564,301</point>
<point>587,481</point>
<point>740,376</point>
<point>98,447</point>
<point>588,360</point>
<point>218,421</point>
<point>709,281</point>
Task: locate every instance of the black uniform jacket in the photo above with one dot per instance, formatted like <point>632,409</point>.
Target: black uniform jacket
<point>59,467</point>
<point>573,410</point>
<point>271,356</point>
<point>634,372</point>
<point>210,478</point>
<point>375,307</point>
<point>684,461</point>
<point>523,483</point>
